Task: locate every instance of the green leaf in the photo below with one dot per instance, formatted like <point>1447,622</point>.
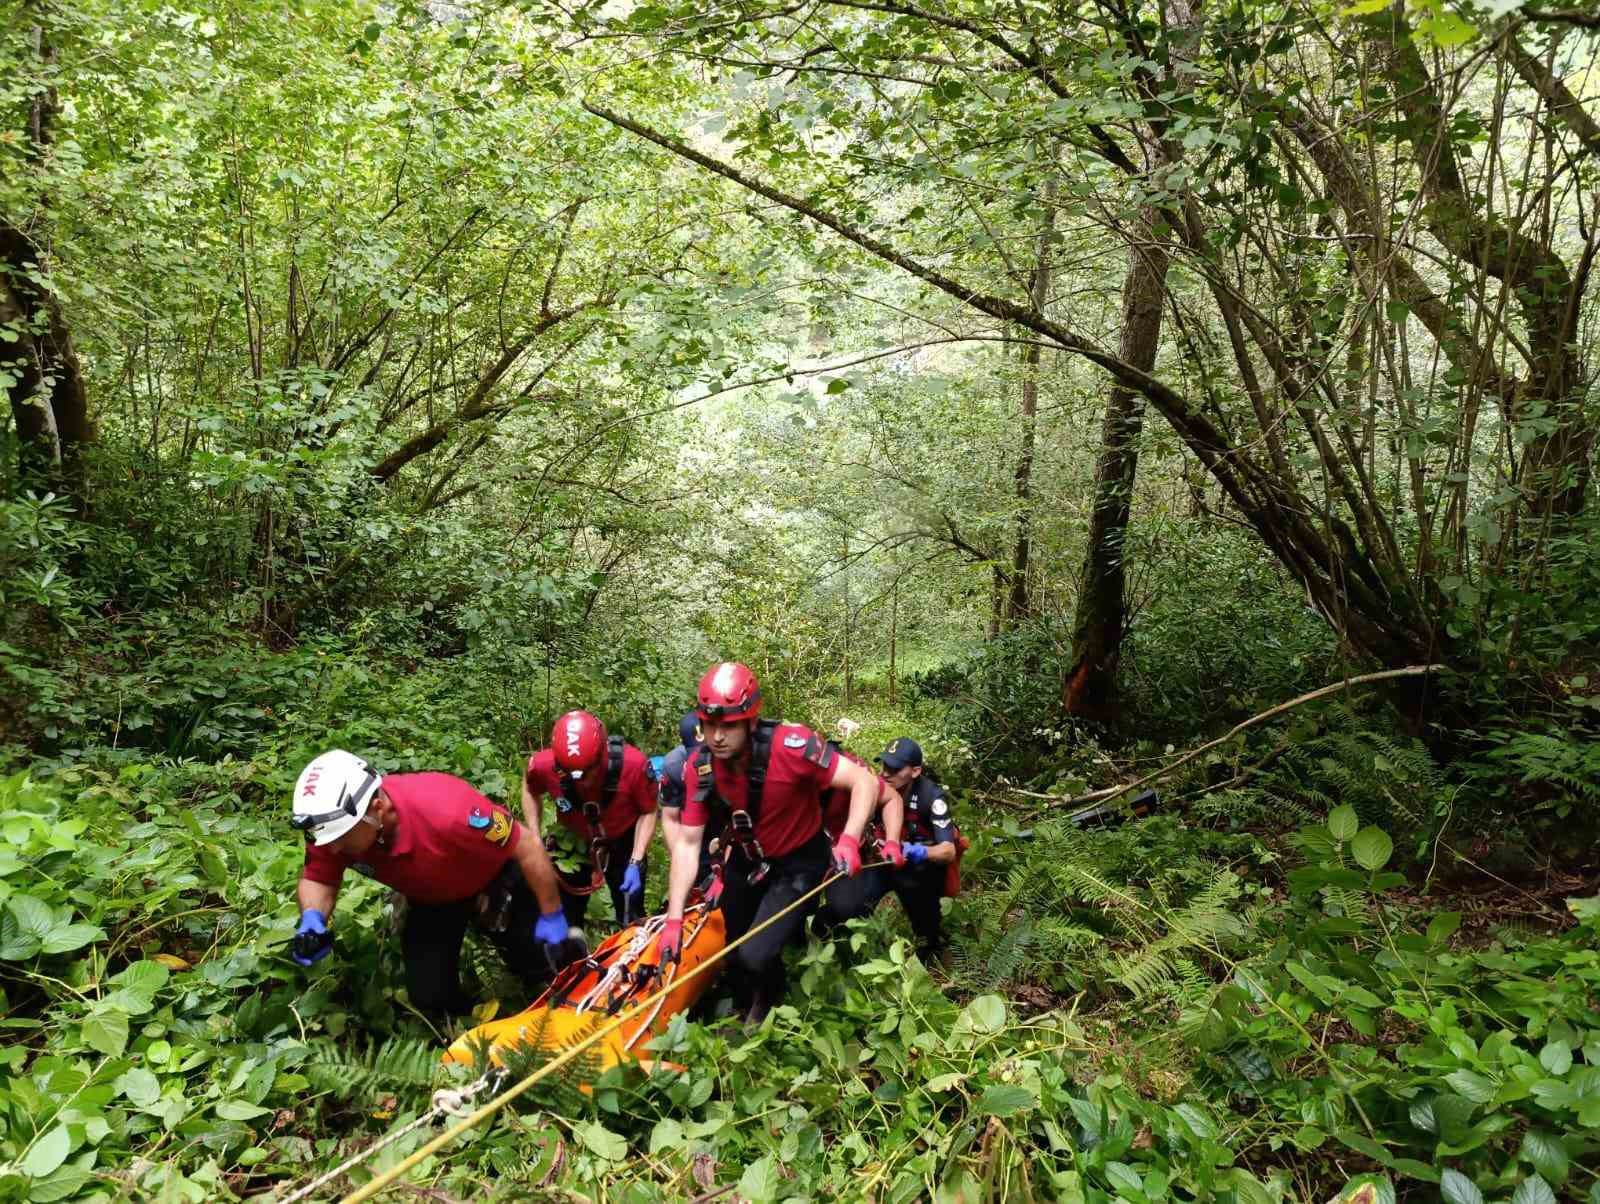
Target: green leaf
<point>143,978</point>
<point>1442,927</point>
<point>1448,30</point>
<point>1533,1190</point>
<point>1125,1179</point>
<point>23,926</point>
<point>838,385</point>
<point>1556,1057</point>
<point>1473,1086</point>
<point>49,1152</point>
<point>761,1180</point>
<point>601,1141</point>
<point>986,1014</point>
<point>667,1135</point>
<point>1343,821</point>
<point>999,1099</point>
<point>107,1032</point>
<point>238,1109</point>
<point>67,937</point>
<point>944,1082</point>
<point>1548,1154</point>
<point>1248,1188</point>
<point>1456,1188</point>
<point>1371,848</point>
<point>1365,8</point>
<point>140,1086</point>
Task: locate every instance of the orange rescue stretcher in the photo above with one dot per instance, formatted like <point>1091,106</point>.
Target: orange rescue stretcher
<point>588,994</point>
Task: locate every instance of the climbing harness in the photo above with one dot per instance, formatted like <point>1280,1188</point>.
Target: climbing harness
<point>741,828</point>
<point>594,817</point>
<point>561,1060</point>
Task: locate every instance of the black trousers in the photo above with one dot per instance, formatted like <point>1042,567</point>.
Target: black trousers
<point>756,970</point>
<point>919,888</point>
<point>431,945</point>
<point>626,907</point>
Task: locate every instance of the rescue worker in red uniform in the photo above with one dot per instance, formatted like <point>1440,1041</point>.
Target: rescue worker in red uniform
<point>604,793</point>
<point>442,845</point>
<point>851,898</point>
<point>760,783</point>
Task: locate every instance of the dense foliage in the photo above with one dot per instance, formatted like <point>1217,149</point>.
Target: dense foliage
<point>1061,385</point>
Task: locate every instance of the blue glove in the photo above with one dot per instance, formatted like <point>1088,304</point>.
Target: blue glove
<point>658,766</point>
<point>632,879</point>
<point>916,854</point>
<point>312,941</point>
<point>551,927</point>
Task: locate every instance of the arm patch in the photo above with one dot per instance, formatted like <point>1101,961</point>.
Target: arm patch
<point>819,752</point>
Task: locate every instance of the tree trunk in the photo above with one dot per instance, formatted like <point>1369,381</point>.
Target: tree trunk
<point>1019,606</point>
<point>49,401</point>
<point>1091,683</point>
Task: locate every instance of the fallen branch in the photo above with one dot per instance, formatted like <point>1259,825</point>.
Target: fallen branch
<point>1097,796</point>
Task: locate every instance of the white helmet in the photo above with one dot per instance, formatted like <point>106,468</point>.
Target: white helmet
<point>332,795</point>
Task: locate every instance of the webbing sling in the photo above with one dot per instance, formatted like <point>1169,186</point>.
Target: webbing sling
<point>742,822</point>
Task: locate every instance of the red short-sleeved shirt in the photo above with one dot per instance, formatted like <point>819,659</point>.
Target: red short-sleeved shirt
<point>636,792</point>
<point>448,844</point>
<point>800,768</point>
<point>836,802</point>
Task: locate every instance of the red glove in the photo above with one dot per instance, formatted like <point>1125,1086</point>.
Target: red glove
<point>714,891</point>
<point>669,945</point>
<point>847,855</point>
<point>892,852</point>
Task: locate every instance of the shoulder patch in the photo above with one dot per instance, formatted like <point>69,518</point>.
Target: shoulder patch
<point>794,741</point>
<point>478,819</point>
<point>499,829</point>
<point>816,751</point>
<point>703,768</point>
<point>940,807</point>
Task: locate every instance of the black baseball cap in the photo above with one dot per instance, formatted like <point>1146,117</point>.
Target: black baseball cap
<point>902,751</point>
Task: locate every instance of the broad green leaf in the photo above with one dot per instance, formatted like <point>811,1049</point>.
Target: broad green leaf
<point>986,1014</point>
<point>1471,1085</point>
<point>667,1135</point>
<point>1456,1188</point>
<point>1365,8</point>
<point>238,1109</point>
<point>1248,1188</point>
<point>1442,926</point>
<point>1343,822</point>
<point>143,977</point>
<point>24,924</point>
<point>107,1031</point>
<point>944,1082</point>
<point>1001,1099</point>
<point>49,1152</point>
<point>1556,1057</point>
<point>140,1086</point>
<point>1125,1179</point>
<point>1447,30</point>
<point>67,937</point>
<point>1371,848</point>
<point>1533,1190</point>
<point>761,1180</point>
<point>601,1141</point>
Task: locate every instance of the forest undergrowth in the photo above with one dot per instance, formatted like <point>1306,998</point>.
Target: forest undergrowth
<point>1253,995</point>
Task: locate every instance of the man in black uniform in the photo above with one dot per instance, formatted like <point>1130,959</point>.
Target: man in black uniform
<point>931,843</point>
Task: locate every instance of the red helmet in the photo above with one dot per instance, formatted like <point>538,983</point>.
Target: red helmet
<point>729,691</point>
<point>579,742</point>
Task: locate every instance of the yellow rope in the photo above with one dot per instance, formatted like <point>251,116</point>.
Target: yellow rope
<point>550,1067</point>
